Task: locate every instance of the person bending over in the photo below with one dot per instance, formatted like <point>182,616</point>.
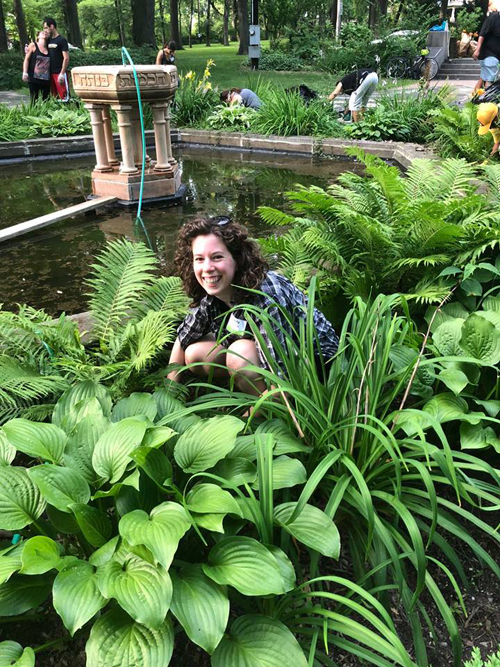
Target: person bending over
<point>360,85</point>
<point>215,258</point>
<point>487,115</point>
<point>242,96</point>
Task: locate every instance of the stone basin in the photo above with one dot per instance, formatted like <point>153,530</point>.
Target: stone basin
<point>115,83</point>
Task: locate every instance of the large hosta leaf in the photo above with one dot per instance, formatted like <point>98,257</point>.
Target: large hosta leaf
<point>76,595</point>
<point>94,524</point>
<point>21,502</point>
<point>236,471</point>
<point>160,531</point>
<point>42,441</point>
<point>245,564</point>
<point>12,654</point>
<point>138,403</point>
<point>40,554</point>
<point>201,606</point>
<point>446,407</point>
<point>77,393</point>
<point>10,561</point>
<point>447,337</point>
<point>454,379</point>
<point>22,593</point>
<point>89,407</point>
<point>285,566</point>
<point>154,463</point>
<point>206,443</point>
<point>7,451</point>
<point>60,486</point>
<point>258,641</point>
<point>211,499</point>
<point>473,436</point>
<point>81,444</point>
<point>285,441</point>
<point>143,590</point>
<point>111,453</point>
<point>480,339</point>
<point>117,641</point>
<point>312,527</point>
<point>287,472</point>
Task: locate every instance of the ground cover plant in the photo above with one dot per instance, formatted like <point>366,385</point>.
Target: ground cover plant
<point>454,133</point>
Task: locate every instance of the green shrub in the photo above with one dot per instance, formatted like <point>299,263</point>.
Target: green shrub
<point>287,115</point>
<point>235,118</point>
<point>454,132</point>
<point>278,60</point>
<point>194,99</point>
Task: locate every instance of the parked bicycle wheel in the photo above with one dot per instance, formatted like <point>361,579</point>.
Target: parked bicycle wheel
<point>429,69</point>
<point>396,68</point>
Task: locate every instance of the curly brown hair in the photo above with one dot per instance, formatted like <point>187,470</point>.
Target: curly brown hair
<point>251,267</point>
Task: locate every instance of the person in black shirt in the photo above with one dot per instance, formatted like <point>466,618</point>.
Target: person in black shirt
<point>166,55</point>
<point>36,67</point>
<point>59,60</point>
<point>360,84</point>
<point>488,47</point>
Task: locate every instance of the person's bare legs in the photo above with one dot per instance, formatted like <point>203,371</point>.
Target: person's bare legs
<point>206,350</point>
<point>241,354</point>
<point>356,116</point>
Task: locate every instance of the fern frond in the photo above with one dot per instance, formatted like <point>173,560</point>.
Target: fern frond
<point>120,277</point>
<point>151,335</point>
<point>165,294</point>
<point>272,216</point>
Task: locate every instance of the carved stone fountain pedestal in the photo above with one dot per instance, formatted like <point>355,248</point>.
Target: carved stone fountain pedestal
<point>113,87</point>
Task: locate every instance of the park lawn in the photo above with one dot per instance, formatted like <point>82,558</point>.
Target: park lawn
<point>232,71</point>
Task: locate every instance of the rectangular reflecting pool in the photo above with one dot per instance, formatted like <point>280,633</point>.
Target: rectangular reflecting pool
<point>48,268</point>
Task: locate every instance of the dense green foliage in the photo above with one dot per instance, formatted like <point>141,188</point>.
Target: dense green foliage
<point>454,132</point>
<point>476,661</point>
<point>386,232</point>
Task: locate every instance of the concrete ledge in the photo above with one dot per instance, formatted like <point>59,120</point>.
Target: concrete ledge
<point>400,152</point>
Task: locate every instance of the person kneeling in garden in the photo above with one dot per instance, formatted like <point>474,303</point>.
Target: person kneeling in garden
<point>218,264</point>
<point>243,96</point>
<point>360,85</point>
<point>487,115</point>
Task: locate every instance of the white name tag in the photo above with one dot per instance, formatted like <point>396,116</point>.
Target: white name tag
<point>235,325</point>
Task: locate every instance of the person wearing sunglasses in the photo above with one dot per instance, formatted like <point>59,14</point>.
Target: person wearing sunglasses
<point>220,266</point>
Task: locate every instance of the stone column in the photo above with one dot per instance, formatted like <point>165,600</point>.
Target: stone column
<point>96,122</point>
<point>137,134</point>
<point>123,112</point>
<point>108,135</point>
<point>160,124</point>
<point>171,158</point>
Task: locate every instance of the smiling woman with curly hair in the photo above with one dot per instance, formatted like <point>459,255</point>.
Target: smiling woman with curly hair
<point>219,264</point>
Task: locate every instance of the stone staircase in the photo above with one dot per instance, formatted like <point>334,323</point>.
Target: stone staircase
<point>460,68</point>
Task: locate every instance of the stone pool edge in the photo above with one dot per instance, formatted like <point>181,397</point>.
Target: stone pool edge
<point>400,152</point>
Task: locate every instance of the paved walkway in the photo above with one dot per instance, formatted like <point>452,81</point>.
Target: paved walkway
<point>12,99</point>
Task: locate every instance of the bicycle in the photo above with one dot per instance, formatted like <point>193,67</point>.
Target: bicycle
<point>420,67</point>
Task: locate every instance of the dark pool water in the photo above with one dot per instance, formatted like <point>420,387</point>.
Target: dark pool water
<point>48,268</point>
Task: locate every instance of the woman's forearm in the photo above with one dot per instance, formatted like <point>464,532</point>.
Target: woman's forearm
<point>177,356</point>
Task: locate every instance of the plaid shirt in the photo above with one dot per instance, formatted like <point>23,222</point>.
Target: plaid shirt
<point>280,298</point>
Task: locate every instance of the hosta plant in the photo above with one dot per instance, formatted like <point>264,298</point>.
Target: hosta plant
<point>143,517</point>
<point>405,498</point>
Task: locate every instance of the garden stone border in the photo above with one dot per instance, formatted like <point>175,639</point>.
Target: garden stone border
<point>400,152</point>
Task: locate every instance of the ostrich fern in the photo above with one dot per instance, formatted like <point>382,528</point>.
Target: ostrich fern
<point>134,312</point>
<point>388,232</point>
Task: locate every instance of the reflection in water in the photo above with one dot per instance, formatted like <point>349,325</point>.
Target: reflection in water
<point>48,268</point>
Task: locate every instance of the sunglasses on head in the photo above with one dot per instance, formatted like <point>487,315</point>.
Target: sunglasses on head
<point>220,220</point>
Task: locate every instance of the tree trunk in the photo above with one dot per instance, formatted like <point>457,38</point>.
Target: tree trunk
<point>190,32</point>
<point>372,14</point>
<point>207,24</point>
<point>180,19</point>
<point>175,33</point>
<point>143,22</point>
<point>443,11</point>
<point>161,7</point>
<point>243,26</point>
<point>225,37</point>
<point>70,10</point>
<point>3,33</point>
<point>119,19</point>
<point>398,13</point>
<point>21,23</point>
<point>235,19</point>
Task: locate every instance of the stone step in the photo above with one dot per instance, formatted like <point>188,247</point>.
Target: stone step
<point>457,73</point>
<point>456,68</point>
<point>461,77</point>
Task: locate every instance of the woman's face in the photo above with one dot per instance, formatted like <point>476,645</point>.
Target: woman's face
<point>42,36</point>
<point>213,266</point>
